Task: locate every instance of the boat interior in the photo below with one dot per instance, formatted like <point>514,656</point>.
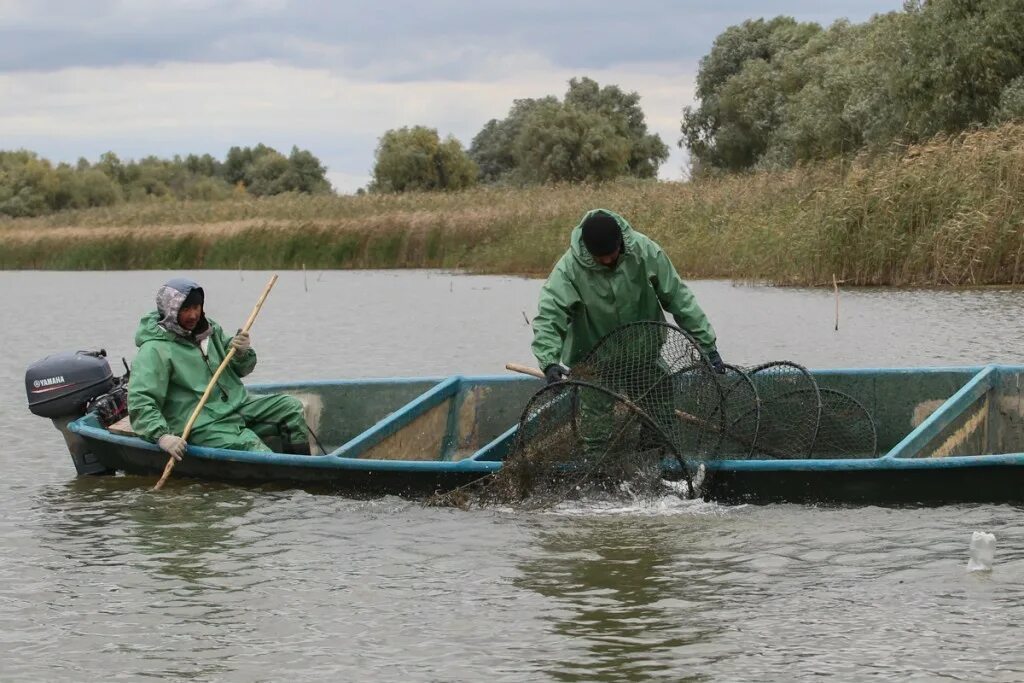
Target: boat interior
<point>917,413</point>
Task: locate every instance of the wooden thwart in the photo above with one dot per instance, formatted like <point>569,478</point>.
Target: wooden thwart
<point>122,427</point>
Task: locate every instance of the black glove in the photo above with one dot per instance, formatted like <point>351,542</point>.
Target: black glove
<point>555,372</point>
<point>716,361</point>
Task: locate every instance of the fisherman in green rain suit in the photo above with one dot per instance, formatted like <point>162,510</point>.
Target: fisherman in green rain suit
<point>179,351</point>
<point>610,276</point>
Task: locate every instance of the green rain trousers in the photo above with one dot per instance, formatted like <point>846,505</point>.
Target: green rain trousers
<point>170,374</point>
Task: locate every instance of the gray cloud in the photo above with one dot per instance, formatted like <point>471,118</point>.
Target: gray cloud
<point>162,77</point>
<point>381,38</point>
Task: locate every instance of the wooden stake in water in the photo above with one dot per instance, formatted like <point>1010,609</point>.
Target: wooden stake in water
<point>835,286</point>
<point>213,382</point>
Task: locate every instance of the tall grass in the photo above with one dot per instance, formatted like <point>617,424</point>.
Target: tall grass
<point>947,212</point>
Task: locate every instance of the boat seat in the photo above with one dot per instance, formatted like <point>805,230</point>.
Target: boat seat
<point>122,427</point>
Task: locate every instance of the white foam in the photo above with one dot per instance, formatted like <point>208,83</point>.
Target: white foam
<point>676,501</point>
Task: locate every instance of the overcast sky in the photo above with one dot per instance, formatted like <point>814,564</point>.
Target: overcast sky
<point>161,77</point>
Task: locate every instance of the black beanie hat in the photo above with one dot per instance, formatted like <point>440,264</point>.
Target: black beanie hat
<point>194,297</point>
<point>601,234</point>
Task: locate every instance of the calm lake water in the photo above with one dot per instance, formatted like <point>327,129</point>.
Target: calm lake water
<point>101,579</point>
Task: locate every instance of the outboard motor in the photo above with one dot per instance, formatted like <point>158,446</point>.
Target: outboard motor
<point>61,388</point>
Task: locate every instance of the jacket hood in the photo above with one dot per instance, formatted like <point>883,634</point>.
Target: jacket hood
<point>169,299</point>
<point>150,330</point>
<point>580,251</point>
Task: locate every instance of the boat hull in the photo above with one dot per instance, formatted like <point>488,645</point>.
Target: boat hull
<point>944,435</point>
<point>319,472</point>
<point>979,482</point>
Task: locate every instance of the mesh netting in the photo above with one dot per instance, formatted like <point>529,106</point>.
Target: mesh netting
<point>846,430</point>
<point>790,410</point>
<point>646,405</point>
<point>740,414</point>
<point>579,440</point>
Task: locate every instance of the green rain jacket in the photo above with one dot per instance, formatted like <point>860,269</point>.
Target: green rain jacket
<point>170,374</point>
<point>583,300</point>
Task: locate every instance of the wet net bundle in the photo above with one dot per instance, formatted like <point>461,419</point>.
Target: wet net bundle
<point>646,408</point>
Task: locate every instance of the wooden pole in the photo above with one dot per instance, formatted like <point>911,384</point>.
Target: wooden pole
<point>524,369</point>
<point>213,382</point>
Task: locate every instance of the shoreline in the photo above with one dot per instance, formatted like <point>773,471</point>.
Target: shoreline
<point>947,213</point>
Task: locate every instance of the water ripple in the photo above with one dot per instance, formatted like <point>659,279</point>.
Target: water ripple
<point>101,579</point>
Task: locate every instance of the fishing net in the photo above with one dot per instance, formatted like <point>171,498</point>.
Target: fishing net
<point>645,407</point>
<point>789,410</point>
<point>846,429</point>
<point>740,414</point>
<point>662,371</point>
<point>580,440</point>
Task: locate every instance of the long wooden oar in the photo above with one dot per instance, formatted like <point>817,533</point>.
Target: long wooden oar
<point>213,382</point>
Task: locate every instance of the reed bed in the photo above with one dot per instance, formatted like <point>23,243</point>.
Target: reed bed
<point>944,213</point>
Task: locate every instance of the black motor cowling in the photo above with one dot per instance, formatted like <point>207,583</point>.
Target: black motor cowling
<point>60,387</point>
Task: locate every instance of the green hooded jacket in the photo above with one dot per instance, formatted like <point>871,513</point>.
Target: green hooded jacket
<point>170,374</point>
<point>583,300</point>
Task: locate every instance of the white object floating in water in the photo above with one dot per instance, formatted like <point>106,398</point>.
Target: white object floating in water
<point>983,550</point>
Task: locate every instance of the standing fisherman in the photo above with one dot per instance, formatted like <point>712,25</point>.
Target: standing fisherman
<point>611,275</point>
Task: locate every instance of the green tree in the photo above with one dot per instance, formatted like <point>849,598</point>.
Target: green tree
<point>647,151</point>
<point>561,142</point>
<point>416,159</point>
<point>27,184</point>
<point>235,163</point>
<point>548,140</point>
<point>1011,101</point>
<point>772,93</point>
<point>265,171</point>
<point>305,173</point>
<point>741,92</point>
<point>494,148</point>
<point>97,189</point>
<point>204,165</point>
<point>963,54</point>
<point>30,186</point>
<point>263,176</point>
<point>111,165</point>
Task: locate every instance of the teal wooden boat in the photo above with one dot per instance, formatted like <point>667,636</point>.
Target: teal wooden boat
<point>943,434</point>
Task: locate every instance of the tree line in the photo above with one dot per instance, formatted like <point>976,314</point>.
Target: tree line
<point>770,94</point>
<point>592,134</point>
<point>32,186</point>
<point>776,93</point>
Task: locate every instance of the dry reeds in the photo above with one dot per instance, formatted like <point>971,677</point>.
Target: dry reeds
<point>946,212</point>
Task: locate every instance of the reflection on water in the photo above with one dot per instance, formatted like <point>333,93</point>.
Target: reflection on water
<point>148,565</point>
<point>103,579</point>
<point>627,596</point>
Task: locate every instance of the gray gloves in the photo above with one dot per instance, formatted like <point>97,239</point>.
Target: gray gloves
<point>174,445</point>
<point>240,343</point>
